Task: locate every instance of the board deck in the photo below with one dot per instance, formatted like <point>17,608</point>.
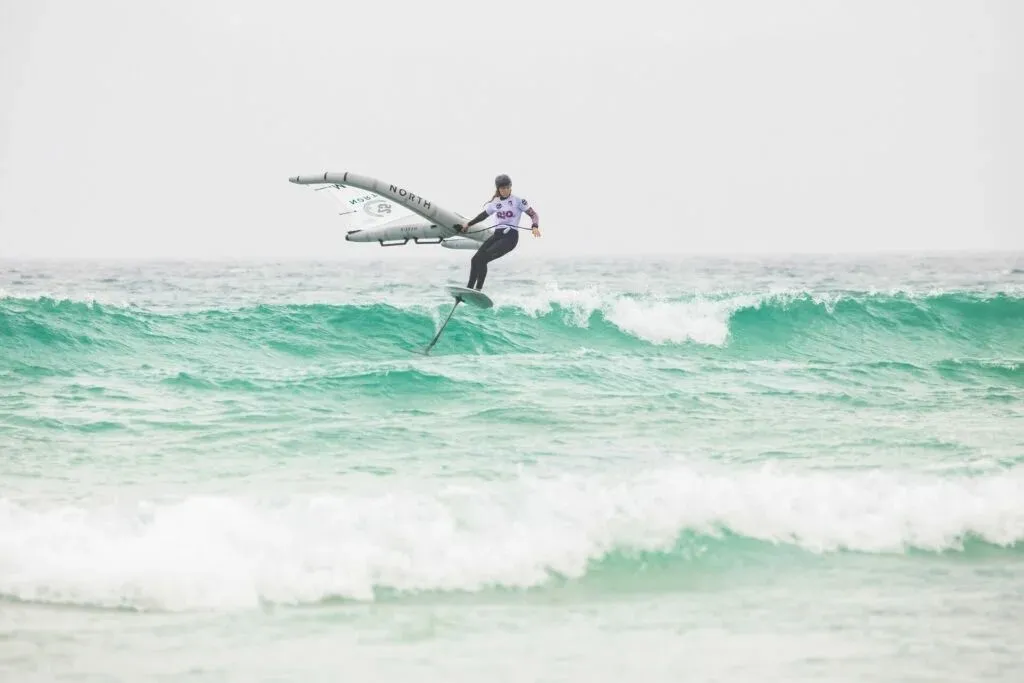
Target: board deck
<point>471,296</point>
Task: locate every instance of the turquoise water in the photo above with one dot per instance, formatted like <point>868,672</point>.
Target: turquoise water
<point>696,469</point>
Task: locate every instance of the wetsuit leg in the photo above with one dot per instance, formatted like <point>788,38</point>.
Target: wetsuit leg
<point>496,246</point>
<point>475,264</point>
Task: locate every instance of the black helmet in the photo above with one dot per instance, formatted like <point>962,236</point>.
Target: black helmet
<point>502,181</point>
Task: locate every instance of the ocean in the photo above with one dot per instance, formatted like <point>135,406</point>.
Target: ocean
<point>783,468</point>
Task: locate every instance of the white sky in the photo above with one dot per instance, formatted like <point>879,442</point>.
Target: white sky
<point>169,129</point>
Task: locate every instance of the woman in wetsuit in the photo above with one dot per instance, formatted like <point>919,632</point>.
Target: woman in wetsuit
<point>507,208</point>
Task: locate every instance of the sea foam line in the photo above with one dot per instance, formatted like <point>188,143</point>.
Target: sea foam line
<point>232,553</point>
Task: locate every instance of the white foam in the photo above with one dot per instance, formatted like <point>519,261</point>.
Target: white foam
<point>642,315</point>
<point>231,553</point>
<point>700,318</point>
<point>578,304</point>
<point>659,322</point>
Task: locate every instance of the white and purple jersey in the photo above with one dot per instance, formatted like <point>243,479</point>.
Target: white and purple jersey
<point>508,211</point>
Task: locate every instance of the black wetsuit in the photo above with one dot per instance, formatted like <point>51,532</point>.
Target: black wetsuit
<point>497,245</point>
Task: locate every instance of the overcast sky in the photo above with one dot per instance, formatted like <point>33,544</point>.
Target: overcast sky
<point>169,129</point>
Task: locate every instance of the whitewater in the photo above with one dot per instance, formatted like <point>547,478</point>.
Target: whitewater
<point>785,468</point>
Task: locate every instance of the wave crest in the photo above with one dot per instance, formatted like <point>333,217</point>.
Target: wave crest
<point>956,324</point>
